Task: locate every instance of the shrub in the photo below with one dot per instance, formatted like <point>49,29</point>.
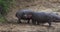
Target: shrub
<point>4,6</point>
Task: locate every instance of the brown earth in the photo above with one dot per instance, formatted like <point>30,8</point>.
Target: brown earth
<point>24,27</point>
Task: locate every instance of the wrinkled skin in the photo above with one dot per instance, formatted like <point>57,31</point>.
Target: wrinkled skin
<point>24,14</point>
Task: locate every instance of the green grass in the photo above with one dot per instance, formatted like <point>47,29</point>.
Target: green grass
<point>5,4</point>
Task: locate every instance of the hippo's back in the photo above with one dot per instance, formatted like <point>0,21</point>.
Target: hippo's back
<point>40,16</point>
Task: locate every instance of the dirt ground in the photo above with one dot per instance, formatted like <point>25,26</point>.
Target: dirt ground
<point>24,27</point>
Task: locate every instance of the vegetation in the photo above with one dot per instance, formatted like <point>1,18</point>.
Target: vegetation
<point>5,4</point>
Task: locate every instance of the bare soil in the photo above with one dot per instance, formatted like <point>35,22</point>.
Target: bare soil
<point>24,27</point>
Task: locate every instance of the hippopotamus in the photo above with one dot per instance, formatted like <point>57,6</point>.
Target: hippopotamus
<point>41,17</point>
<point>37,17</point>
<point>44,17</point>
<point>24,14</point>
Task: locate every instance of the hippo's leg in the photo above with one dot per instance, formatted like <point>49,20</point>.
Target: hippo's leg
<point>28,20</point>
<point>37,22</point>
<point>49,22</point>
<point>33,22</point>
<point>19,21</point>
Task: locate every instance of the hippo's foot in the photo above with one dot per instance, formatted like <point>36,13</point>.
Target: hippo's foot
<point>38,24</point>
<point>19,22</point>
<point>34,23</point>
<point>28,22</point>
